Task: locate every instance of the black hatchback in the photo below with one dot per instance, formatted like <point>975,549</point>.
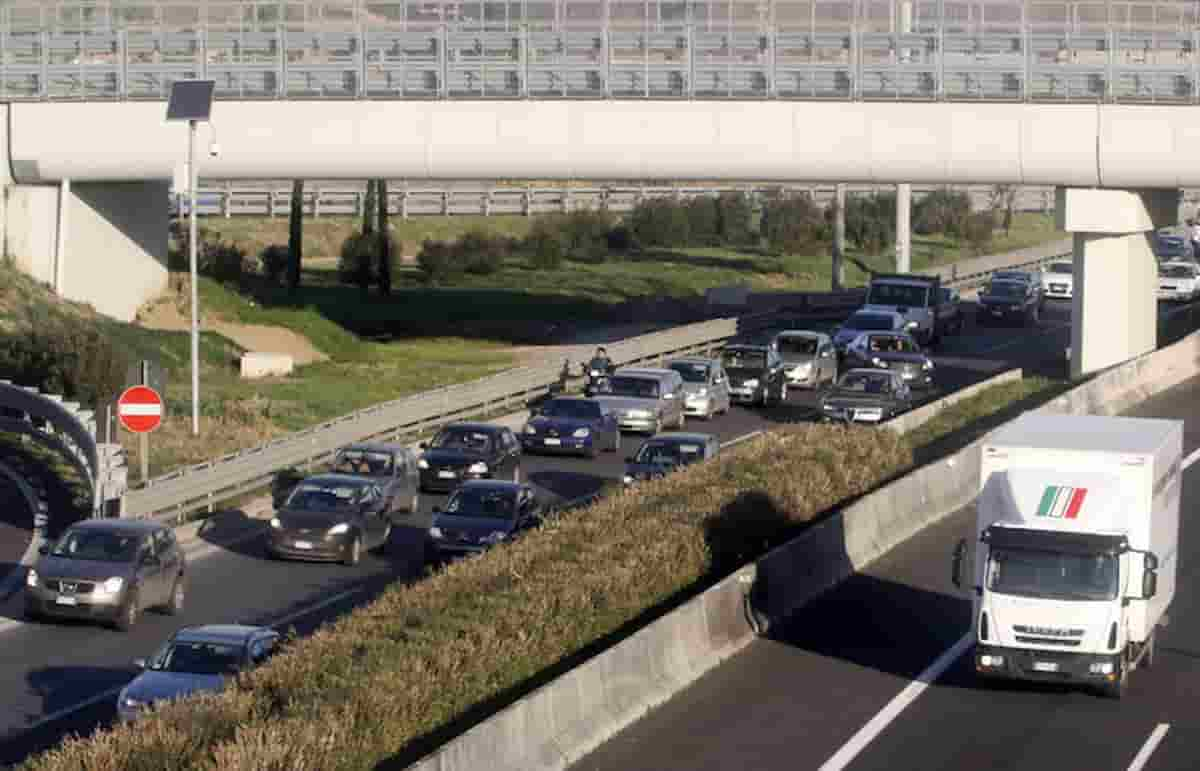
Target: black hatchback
<point>463,451</point>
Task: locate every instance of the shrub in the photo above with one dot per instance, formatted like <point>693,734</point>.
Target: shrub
<point>480,252</point>
<point>734,219</point>
<point>356,262</point>
<point>659,223</point>
<point>703,221</point>
<point>546,243</point>
<point>585,234</point>
<point>79,362</point>
<point>942,211</point>
<point>871,221</point>
<point>438,262</point>
<point>223,261</point>
<point>274,261</point>
<point>620,239</point>
<point>980,227</point>
<point>794,224</point>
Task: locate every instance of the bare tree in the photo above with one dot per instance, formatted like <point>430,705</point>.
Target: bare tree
<point>1005,197</point>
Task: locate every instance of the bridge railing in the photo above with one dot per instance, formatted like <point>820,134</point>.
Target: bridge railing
<point>818,49</point>
<point>341,199</point>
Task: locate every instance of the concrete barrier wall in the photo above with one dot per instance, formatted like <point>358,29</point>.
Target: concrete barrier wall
<point>910,420</point>
<point>570,716</point>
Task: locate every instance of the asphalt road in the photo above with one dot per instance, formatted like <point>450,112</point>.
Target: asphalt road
<point>62,678</point>
<point>796,700</point>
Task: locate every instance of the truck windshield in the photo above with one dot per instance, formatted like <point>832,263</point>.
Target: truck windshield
<point>897,294</point>
<point>1053,575</point>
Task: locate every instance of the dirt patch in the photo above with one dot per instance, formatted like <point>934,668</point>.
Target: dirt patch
<point>164,314</point>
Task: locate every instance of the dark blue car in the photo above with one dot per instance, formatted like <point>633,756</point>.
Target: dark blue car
<point>573,425</point>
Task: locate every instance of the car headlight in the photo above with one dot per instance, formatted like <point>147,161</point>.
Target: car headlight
<point>31,578</point>
<point>701,393</point>
<point>422,463</point>
<point>582,433</point>
<point>478,468</point>
<point>435,532</point>
<point>496,537</point>
<point>802,370</point>
<point>338,529</point>
<point>530,430</point>
<point>878,362</point>
<point>751,383</point>
<point>639,413</point>
<point>111,586</point>
<point>128,702</point>
<point>627,479</point>
<point>928,364</point>
<point>275,523</point>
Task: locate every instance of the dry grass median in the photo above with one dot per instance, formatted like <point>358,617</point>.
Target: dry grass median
<point>394,677</point>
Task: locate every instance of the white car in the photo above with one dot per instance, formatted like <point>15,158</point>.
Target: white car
<point>1058,281</point>
<point>1178,280</point>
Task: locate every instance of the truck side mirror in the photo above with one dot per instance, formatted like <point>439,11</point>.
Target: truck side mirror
<point>1149,584</point>
<point>960,551</point>
<point>1151,562</point>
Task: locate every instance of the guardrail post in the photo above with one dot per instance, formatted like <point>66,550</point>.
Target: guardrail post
<point>316,194</point>
<point>227,201</point>
<point>403,204</point>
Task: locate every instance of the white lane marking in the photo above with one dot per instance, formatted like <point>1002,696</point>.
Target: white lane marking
<point>1143,756</point>
<point>1192,458</point>
<point>112,692</point>
<point>898,704</point>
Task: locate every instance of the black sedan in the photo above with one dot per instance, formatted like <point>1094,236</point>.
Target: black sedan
<point>481,514</point>
<point>330,517</point>
<point>662,454</point>
<point>896,351</point>
<point>463,451</point>
<point>1006,301</point>
<point>866,396</point>
<point>570,424</point>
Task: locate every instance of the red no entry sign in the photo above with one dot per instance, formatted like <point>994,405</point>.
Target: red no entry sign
<point>140,409</point>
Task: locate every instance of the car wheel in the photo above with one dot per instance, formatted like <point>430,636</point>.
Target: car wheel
<point>387,538</point>
<point>354,553</point>
<point>590,453</point>
<point>174,605</point>
<point>129,613</point>
<point>31,614</point>
<point>682,420</point>
<point>783,392</point>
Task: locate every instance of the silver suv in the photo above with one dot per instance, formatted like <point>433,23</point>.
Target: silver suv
<point>705,388</point>
<point>645,399</point>
<point>109,570</point>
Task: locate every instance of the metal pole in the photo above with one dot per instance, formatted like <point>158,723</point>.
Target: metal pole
<point>903,231</point>
<point>839,238</point>
<point>193,177</point>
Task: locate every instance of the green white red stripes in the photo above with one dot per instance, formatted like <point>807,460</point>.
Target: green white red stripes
<point>1061,502</point>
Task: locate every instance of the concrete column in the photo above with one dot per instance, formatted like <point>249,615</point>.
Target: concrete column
<point>60,249</point>
<point>903,228</point>
<point>839,238</point>
<point>1114,311</point>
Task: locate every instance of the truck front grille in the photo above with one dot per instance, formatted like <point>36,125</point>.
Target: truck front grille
<point>1048,641</point>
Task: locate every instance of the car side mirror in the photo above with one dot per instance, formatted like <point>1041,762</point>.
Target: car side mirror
<point>629,459</point>
<point>1151,562</point>
<point>960,551</point>
<point>423,445</point>
<point>1149,584</point>
<point>437,509</point>
<point>139,663</point>
<point>44,549</point>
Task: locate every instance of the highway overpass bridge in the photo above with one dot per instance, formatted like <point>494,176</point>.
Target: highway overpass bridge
<point>1101,100</point>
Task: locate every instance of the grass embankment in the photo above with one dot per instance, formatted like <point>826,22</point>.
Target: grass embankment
<point>237,413</point>
<point>414,666</point>
<point>576,291</point>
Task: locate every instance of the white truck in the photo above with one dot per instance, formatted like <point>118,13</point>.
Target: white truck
<point>1076,541</point>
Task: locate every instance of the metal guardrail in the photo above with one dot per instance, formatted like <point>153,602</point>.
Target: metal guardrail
<point>339,199</point>
<point>919,50</point>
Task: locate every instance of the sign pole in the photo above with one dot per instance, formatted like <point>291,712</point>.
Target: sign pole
<point>192,178</point>
<point>144,452</point>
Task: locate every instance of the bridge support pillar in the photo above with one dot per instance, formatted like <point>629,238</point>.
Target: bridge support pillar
<point>1114,307</point>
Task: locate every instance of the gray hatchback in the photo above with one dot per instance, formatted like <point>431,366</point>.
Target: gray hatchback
<point>109,570</point>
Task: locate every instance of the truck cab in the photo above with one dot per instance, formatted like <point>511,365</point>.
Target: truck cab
<point>1074,549</point>
<point>918,299</point>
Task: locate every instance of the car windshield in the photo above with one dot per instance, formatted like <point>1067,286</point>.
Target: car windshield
<point>691,372</point>
<point>1170,248</point>
<point>571,408</point>
<point>319,497</point>
<point>884,293</point>
<point>797,346</point>
<point>1053,575</point>
<point>466,439</point>
<point>483,504</point>
<point>198,658</point>
<point>1006,289</point>
<point>97,545</point>
<point>865,382</point>
<point>634,387</point>
<point>669,453</point>
<point>363,462</point>
<point>1061,267</point>
<point>891,344</point>
<point>740,358</point>
<point>868,321</point>
<point>1008,275</point>
<point>1175,271</point>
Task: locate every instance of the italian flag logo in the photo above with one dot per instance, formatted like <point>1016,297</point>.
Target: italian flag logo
<point>1061,502</point>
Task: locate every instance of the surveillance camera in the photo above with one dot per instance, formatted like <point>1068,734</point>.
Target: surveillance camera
<point>214,149</point>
